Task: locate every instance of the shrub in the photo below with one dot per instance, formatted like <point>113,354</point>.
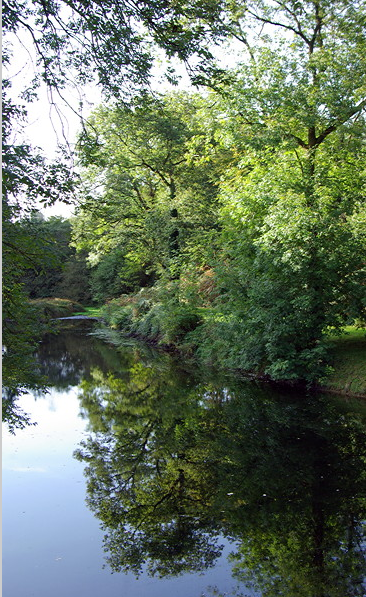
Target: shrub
<point>143,314</point>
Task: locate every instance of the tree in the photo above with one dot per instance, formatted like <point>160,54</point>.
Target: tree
<point>52,238</point>
<point>117,273</point>
<point>111,41</point>
<point>291,122</point>
<point>75,282</point>
<point>147,199</point>
<point>25,174</point>
<point>293,256</point>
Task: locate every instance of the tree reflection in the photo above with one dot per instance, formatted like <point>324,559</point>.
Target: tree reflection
<point>61,361</point>
<point>144,473</point>
<point>304,468</point>
<point>173,463</point>
<point>67,357</point>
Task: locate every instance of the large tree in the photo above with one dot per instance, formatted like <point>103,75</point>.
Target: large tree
<point>148,196</point>
<point>294,201</point>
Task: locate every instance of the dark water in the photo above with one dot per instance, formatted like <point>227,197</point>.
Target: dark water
<point>181,482</point>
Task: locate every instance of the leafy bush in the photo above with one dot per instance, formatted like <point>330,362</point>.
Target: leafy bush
<point>116,315</point>
<point>143,314</point>
<point>150,324</point>
<point>178,320</point>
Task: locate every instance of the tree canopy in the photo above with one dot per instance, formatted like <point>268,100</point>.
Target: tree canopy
<point>113,41</point>
<point>147,196</point>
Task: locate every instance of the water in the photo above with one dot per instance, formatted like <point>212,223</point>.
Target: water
<point>151,469</point>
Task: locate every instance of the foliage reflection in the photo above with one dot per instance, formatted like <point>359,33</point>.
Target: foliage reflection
<point>175,463</point>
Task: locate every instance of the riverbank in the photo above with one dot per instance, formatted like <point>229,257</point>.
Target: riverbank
<point>347,352</point>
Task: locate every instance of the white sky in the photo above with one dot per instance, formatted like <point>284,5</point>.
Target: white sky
<point>53,121</point>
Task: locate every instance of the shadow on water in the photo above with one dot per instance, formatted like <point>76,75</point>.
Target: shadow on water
<point>175,461</point>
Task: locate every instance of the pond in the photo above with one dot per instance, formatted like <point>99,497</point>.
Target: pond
<point>145,477</point>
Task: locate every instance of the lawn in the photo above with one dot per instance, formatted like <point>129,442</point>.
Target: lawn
<point>90,311</point>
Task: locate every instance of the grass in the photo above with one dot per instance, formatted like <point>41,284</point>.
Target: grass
<point>349,362</point>
<point>90,311</point>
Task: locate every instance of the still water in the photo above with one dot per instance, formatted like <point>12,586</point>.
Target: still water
<point>146,478</point>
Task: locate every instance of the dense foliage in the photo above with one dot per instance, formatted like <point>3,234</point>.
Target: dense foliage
<point>112,43</point>
<point>282,148</point>
<point>147,199</point>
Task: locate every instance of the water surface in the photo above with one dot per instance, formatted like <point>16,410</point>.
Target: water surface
<point>181,482</point>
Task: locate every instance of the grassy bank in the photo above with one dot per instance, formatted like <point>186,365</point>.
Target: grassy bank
<point>90,311</point>
<point>52,308</point>
<point>349,363</point>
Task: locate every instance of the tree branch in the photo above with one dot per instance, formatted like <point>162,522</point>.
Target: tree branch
<point>337,123</point>
<point>278,24</point>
